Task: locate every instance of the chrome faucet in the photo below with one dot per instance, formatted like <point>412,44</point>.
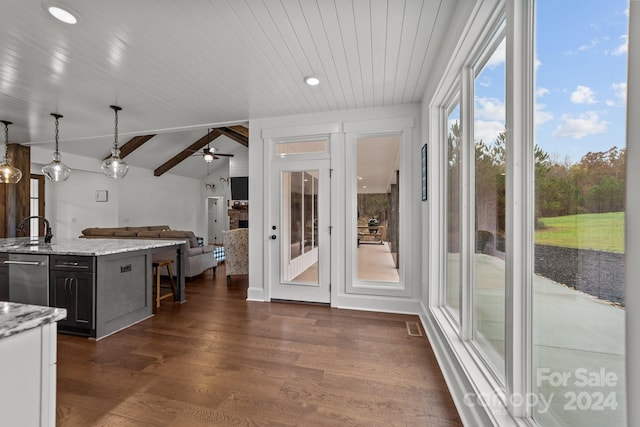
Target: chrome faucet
<point>48,234</point>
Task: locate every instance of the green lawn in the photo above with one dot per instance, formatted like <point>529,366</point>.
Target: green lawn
<point>603,231</point>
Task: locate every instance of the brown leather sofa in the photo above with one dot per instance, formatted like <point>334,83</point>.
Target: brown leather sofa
<point>197,259</point>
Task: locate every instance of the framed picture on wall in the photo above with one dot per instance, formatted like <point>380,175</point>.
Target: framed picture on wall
<point>423,157</point>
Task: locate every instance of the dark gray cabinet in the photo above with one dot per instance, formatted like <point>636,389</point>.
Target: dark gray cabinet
<point>4,278</point>
<point>72,286</point>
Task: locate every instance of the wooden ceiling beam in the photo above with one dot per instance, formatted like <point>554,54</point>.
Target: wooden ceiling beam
<point>239,136</point>
<point>132,145</point>
<point>241,130</point>
<point>193,148</point>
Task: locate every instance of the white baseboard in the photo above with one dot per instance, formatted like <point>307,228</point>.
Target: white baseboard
<point>378,303</point>
<point>255,294</point>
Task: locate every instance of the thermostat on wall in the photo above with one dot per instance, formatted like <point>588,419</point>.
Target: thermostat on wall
<point>102,195</point>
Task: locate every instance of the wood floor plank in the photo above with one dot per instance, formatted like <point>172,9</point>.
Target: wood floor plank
<point>219,360</point>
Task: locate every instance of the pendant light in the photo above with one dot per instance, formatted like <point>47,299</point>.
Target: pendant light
<point>8,174</point>
<point>113,166</point>
<point>56,170</point>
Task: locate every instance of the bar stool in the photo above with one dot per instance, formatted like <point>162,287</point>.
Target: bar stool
<point>156,271</point>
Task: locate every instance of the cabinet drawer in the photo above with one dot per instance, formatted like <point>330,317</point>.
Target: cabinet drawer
<point>71,263</point>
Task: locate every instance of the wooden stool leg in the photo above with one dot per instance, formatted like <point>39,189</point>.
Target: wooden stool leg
<point>173,284</point>
<point>158,287</point>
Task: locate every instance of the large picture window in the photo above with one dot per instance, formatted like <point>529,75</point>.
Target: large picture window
<point>533,257</point>
<point>578,287</point>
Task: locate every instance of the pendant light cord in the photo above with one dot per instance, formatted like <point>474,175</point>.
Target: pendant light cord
<point>57,117</point>
<point>6,140</point>
<point>115,131</point>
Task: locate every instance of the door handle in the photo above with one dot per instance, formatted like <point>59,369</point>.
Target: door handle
<point>24,262</point>
<point>274,237</point>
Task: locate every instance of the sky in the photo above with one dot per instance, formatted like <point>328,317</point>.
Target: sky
<point>580,81</point>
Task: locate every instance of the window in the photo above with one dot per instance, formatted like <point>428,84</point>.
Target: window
<point>578,288</point>
<point>285,148</point>
<point>534,217</point>
<point>489,197</point>
<point>36,202</point>
<point>378,207</point>
<point>453,189</point>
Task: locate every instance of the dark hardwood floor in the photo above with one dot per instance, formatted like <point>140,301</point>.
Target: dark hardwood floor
<point>218,360</point>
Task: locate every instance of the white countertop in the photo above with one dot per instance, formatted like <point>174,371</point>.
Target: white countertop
<point>16,318</point>
<point>86,247</point>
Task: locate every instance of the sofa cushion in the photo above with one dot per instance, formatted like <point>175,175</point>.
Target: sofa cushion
<point>208,248</point>
<point>137,229</point>
<point>100,231</point>
<point>149,234</point>
<point>194,251</point>
<point>177,234</point>
<point>125,233</point>
<point>159,228</point>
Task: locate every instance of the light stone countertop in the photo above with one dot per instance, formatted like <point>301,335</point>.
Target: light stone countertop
<point>16,318</point>
<point>82,247</point>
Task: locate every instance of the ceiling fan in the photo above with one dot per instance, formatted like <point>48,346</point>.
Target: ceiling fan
<point>210,154</point>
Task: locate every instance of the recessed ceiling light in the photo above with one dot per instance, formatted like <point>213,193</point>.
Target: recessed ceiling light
<point>62,14</point>
<point>312,80</point>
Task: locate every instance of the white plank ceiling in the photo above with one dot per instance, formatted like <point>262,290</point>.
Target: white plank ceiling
<point>177,67</point>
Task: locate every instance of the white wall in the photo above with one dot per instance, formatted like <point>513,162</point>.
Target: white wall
<point>139,199</point>
<point>632,223</point>
<point>239,164</point>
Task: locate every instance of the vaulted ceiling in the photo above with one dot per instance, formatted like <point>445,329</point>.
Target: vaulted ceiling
<point>179,67</point>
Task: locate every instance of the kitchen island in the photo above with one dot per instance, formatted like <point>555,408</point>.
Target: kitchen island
<point>28,364</point>
<point>104,284</point>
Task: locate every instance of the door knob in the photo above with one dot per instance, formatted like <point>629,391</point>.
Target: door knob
<point>273,237</point>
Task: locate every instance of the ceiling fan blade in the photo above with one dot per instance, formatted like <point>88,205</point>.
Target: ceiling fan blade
<point>225,155</point>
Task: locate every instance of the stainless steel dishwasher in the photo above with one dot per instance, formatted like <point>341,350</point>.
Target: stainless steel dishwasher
<point>29,278</point>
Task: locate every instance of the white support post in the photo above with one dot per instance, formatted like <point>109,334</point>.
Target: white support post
<point>520,203</point>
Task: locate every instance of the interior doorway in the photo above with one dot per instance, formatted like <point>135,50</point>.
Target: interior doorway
<point>216,220</point>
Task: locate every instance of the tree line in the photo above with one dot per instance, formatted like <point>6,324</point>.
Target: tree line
<point>595,184</point>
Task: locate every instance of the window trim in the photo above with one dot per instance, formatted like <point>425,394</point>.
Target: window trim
<point>453,101</point>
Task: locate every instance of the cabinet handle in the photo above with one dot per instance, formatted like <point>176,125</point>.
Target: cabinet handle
<point>68,285</point>
<point>74,266</point>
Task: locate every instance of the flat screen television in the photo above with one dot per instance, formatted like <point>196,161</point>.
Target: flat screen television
<point>240,188</point>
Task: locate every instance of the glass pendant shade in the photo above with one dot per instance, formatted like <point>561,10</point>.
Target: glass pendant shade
<point>113,166</point>
<point>8,173</point>
<point>56,170</point>
<point>208,157</point>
